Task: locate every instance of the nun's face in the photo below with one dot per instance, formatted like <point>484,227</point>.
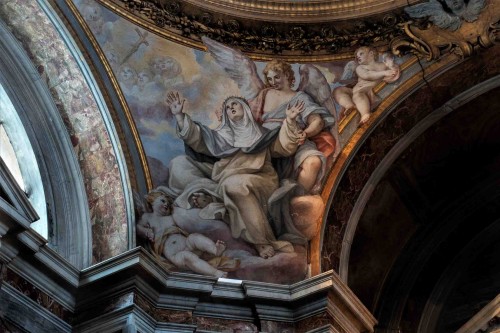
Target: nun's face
<point>234,110</point>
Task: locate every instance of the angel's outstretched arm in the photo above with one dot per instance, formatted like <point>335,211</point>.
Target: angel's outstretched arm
<point>372,75</point>
<point>315,124</point>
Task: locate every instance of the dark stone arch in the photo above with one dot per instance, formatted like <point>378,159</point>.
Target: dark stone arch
<point>63,184</point>
<point>441,198</point>
<point>413,109</point>
<point>396,152</point>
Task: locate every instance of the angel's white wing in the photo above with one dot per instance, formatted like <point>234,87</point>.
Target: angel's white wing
<point>314,83</point>
<point>349,70</point>
<point>436,14</point>
<point>238,66</point>
<point>474,7</point>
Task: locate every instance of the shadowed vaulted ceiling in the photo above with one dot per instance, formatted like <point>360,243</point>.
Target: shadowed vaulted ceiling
<point>411,204</point>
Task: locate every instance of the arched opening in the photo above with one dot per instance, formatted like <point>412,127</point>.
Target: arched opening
<point>422,241</point>
<point>17,153</point>
<point>59,187</point>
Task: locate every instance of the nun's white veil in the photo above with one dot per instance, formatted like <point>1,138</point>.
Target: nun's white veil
<point>240,133</point>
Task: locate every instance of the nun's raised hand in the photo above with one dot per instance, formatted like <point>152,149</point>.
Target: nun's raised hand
<point>174,102</point>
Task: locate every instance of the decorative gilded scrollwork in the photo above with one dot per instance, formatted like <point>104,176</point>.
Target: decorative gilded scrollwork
<point>432,41</point>
<point>262,37</point>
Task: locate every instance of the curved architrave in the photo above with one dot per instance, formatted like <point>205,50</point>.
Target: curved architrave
<point>106,117</point>
<point>61,176</point>
<point>394,153</point>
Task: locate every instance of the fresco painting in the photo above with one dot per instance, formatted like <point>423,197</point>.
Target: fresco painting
<point>369,71</point>
<point>238,150</point>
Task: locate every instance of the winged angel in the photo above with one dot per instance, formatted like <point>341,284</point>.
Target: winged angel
<point>450,15</point>
<point>269,100</point>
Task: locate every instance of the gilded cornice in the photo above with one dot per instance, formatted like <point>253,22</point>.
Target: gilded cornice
<point>285,36</point>
<point>430,41</point>
<point>312,11</point>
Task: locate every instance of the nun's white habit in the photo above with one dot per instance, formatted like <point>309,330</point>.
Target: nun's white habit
<point>243,176</point>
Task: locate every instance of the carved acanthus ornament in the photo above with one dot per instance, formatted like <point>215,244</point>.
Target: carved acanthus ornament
<point>186,24</point>
<point>432,41</point>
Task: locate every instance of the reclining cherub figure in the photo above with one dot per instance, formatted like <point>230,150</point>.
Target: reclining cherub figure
<point>183,250</point>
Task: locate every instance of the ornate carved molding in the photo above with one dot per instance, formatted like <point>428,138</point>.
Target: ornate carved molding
<point>432,42</point>
<point>299,11</point>
<point>262,38</point>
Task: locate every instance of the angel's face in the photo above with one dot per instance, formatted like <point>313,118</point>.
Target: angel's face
<point>164,66</point>
<point>455,5</point>
<point>276,79</point>
<point>363,56</point>
<point>162,205</point>
<point>234,110</point>
<point>127,73</point>
<point>143,78</point>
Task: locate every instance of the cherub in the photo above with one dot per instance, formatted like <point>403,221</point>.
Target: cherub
<point>269,101</point>
<point>127,77</point>
<point>370,72</point>
<point>144,77</point>
<point>179,247</point>
<point>167,71</point>
<point>447,14</point>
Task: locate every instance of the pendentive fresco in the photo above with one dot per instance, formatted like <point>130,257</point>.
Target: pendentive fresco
<point>238,150</point>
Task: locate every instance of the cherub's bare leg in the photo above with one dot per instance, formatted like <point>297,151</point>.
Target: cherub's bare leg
<point>265,250</point>
<point>189,260</point>
<point>308,174</point>
<point>343,96</point>
<point>205,244</point>
<point>363,104</point>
